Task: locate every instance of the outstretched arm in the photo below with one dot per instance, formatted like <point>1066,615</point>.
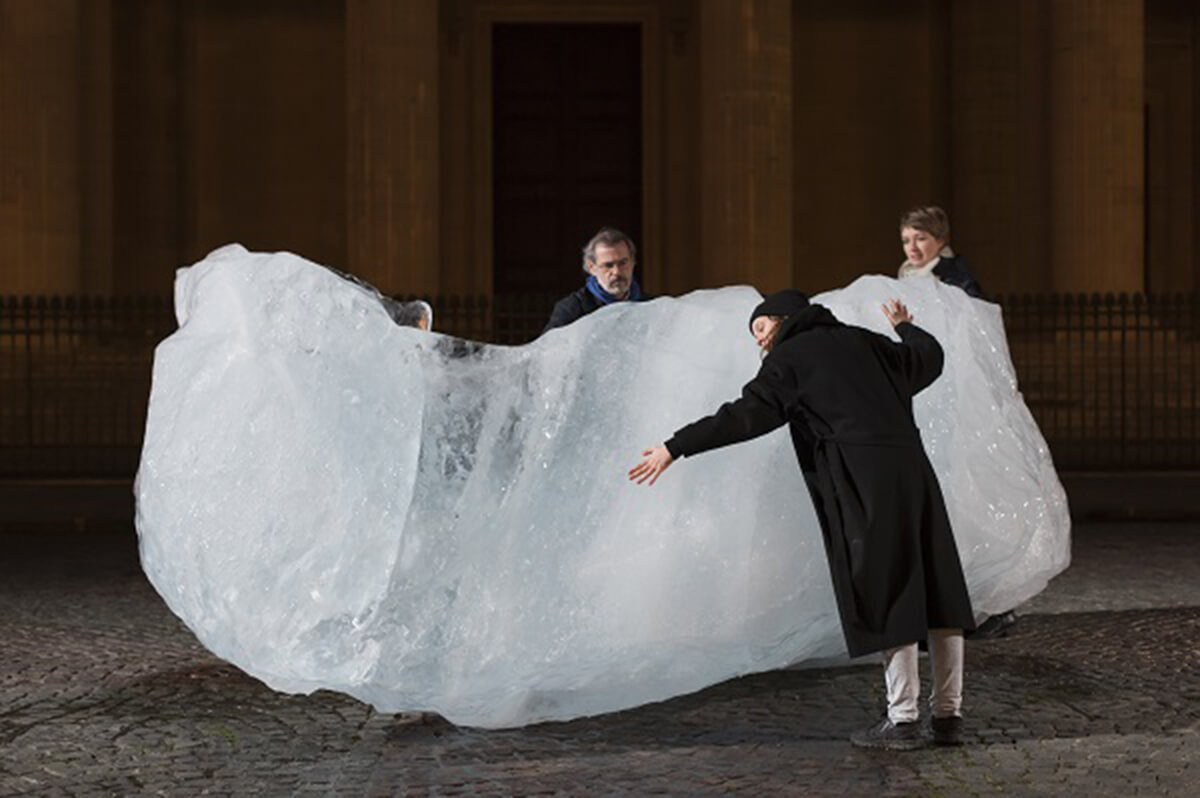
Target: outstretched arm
<point>766,403</point>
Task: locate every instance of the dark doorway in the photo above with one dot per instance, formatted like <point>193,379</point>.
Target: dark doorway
<point>567,148</point>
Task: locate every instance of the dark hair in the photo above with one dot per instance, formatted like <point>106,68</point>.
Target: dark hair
<point>609,237</point>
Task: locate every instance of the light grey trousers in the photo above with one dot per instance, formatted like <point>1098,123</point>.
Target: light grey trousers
<point>903,677</point>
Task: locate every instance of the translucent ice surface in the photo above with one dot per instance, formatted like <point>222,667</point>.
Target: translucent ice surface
<point>330,500</point>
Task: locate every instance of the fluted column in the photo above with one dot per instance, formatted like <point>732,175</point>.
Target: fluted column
<point>392,147</point>
<point>40,172</point>
<point>1000,219</point>
<point>150,139</point>
<point>1097,132</point>
<point>96,148</point>
<point>745,222</point>
<point>1195,135</point>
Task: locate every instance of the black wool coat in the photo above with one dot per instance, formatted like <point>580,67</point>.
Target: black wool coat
<point>847,395</point>
<point>574,305</point>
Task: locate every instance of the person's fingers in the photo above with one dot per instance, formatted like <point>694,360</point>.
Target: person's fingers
<point>654,462</point>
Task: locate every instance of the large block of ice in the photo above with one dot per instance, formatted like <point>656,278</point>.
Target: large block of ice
<point>330,500</point>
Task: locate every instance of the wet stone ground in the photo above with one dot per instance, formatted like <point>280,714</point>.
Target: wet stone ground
<point>1096,691</point>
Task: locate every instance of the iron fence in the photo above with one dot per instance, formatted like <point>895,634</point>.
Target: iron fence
<point>74,379</point>
<point>1113,381</point>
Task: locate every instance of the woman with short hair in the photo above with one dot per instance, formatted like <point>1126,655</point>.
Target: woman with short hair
<point>925,238</point>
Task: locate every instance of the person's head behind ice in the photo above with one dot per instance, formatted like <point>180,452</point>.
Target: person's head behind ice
<point>770,313</point>
<point>924,234</point>
<point>416,313</point>
<point>609,258</point>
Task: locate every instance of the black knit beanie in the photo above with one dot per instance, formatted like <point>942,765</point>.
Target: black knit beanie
<point>787,302</point>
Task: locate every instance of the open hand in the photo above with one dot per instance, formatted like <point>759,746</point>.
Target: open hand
<point>655,462</point>
<point>896,312</point>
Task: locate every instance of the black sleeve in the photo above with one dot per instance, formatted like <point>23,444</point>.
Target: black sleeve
<point>966,281</point>
<point>972,288</point>
<point>566,310</point>
<point>918,356</point>
<point>767,402</point>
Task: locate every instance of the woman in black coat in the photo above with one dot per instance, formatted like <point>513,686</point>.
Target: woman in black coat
<point>846,394</point>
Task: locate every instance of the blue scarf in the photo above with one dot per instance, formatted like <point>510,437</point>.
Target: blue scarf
<point>593,287</point>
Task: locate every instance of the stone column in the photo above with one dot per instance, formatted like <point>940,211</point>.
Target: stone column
<point>96,147</point>
<point>745,224</point>
<point>40,146</point>
<point>1000,219</point>
<point>1097,130</point>
<point>392,143</point>
<point>1170,146</point>
<point>1195,131</point>
<point>152,144</point>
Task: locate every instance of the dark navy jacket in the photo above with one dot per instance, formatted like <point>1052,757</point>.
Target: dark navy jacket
<point>953,270</point>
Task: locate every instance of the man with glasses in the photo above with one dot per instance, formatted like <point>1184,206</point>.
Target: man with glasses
<point>608,261</point>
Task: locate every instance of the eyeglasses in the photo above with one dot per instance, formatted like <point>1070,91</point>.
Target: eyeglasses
<point>620,264</point>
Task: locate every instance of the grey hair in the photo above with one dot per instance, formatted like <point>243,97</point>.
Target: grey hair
<point>609,237</point>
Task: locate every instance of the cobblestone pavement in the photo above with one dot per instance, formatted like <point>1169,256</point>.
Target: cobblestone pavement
<point>1095,692</point>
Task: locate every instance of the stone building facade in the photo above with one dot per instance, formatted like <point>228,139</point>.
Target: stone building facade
<point>470,146</point>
